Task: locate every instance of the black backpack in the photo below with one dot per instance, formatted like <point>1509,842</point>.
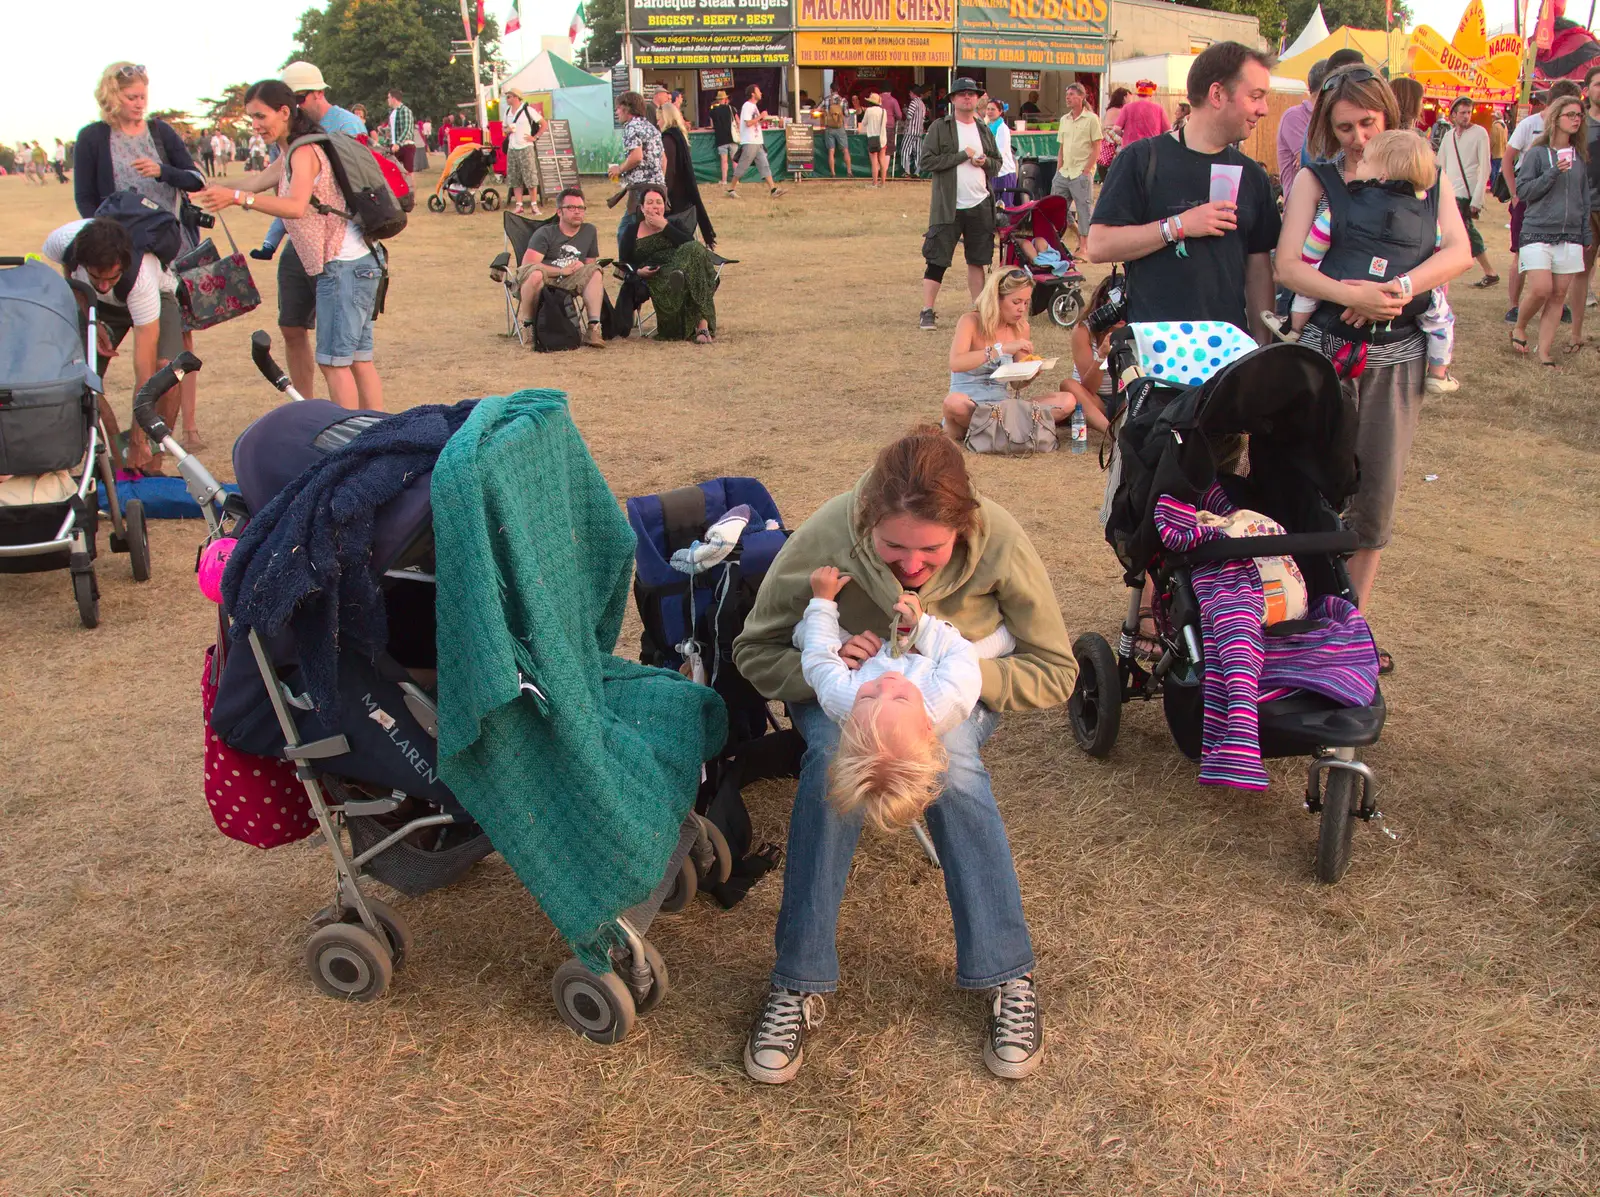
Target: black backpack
<point>557,324</point>
<point>152,228</point>
<point>1380,231</point>
<point>369,200</point>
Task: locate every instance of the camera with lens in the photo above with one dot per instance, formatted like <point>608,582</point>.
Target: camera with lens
<point>205,219</point>
<point>1113,311</point>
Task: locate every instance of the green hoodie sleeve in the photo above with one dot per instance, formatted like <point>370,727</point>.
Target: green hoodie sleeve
<point>764,652</point>
<point>1042,671</point>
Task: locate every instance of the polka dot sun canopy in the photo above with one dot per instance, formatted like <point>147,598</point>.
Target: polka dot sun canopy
<point>1187,352</point>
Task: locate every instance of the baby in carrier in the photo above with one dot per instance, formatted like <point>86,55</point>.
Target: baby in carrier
<point>1396,158</point>
<point>893,709</point>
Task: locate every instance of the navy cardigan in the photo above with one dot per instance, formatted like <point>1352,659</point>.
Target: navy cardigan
<point>91,164</point>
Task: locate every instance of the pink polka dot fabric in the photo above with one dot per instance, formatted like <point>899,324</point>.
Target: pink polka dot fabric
<point>254,799</point>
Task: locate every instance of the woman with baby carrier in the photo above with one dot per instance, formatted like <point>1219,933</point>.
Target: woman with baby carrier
<point>331,248</point>
<point>123,151</point>
<point>1380,268</point>
<point>913,526</point>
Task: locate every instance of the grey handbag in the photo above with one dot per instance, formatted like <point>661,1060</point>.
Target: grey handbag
<point>1014,425</point>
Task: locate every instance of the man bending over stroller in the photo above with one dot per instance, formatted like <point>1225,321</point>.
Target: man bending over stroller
<point>564,255</point>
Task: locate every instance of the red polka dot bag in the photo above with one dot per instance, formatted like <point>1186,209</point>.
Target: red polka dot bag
<point>254,799</point>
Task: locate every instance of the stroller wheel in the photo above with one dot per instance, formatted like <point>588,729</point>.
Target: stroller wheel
<point>596,1005</point>
<point>138,539</point>
<point>684,888</point>
<point>464,202</point>
<point>1095,707</point>
<point>1066,307</point>
<point>1338,822</point>
<point>395,928</point>
<point>488,199</point>
<point>85,590</point>
<point>660,984</point>
<point>349,962</point>
<point>436,203</point>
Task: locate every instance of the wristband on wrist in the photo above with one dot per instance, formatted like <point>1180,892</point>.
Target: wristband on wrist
<point>236,198</point>
<point>1405,285</point>
<point>1166,231</point>
<point>1177,228</point>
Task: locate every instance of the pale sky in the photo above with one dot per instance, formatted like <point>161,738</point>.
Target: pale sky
<point>47,86</point>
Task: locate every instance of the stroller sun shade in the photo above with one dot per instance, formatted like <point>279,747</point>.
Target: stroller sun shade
<point>290,439</point>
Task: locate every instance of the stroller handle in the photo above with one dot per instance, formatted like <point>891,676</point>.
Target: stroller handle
<point>261,354</point>
<point>159,383</point>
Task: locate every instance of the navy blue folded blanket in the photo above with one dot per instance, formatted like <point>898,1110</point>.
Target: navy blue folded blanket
<point>304,561</point>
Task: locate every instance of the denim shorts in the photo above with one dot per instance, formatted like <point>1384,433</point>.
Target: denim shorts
<point>346,293</point>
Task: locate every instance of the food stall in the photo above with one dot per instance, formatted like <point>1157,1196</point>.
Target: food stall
<point>1012,49</point>
<point>672,41</point>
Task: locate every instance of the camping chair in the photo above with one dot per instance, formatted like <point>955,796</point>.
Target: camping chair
<point>519,231</point>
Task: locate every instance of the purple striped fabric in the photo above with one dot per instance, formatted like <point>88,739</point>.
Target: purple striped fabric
<point>1245,667</point>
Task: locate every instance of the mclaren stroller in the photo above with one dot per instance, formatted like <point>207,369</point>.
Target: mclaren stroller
<point>1233,683</point>
<point>369,764</point>
<point>1058,283</point>
<point>54,455</point>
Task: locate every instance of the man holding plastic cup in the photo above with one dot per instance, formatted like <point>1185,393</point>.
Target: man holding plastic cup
<point>1193,218</point>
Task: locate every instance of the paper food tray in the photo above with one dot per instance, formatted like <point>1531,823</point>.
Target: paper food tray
<point>1023,371</point>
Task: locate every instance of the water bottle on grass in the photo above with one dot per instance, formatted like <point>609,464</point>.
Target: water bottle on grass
<point>1080,431</point>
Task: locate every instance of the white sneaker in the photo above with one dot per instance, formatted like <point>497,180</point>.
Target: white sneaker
<point>1448,385</point>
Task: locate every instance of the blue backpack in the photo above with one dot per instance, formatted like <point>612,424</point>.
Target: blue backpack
<point>154,230</point>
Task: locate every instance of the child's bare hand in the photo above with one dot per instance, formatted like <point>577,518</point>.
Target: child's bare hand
<point>910,609</point>
<point>827,582</point>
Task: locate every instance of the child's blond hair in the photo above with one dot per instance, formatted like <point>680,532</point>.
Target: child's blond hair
<point>1401,155</point>
<point>891,787</point>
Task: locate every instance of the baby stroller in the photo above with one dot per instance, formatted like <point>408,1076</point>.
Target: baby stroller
<point>369,767</point>
<point>701,556</point>
<point>53,450</point>
<point>1060,292</point>
<point>465,170</point>
<point>1301,471</point>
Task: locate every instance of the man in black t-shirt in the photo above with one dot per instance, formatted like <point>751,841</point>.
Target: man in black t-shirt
<point>564,254</point>
<point>1189,256</point>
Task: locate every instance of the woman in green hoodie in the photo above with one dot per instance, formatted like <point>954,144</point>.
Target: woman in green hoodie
<point>914,522</point>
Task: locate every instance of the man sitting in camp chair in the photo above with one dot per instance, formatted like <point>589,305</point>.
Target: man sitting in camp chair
<point>564,255</point>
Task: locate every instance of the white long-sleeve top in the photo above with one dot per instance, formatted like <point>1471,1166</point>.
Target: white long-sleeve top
<point>944,667</point>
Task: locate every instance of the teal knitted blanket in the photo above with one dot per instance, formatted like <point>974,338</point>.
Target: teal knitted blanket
<point>580,765</point>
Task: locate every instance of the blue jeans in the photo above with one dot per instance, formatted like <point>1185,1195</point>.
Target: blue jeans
<point>992,943</point>
<point>346,295</point>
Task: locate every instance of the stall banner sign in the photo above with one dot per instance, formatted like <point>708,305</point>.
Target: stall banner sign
<point>875,14</point>
<point>718,80</point>
<point>1025,81</point>
<point>1037,52</point>
<point>1080,19</point>
<point>662,16</point>
<point>853,48</point>
<point>700,50</point>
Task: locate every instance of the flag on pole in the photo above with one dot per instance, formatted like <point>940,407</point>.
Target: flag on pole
<point>1388,13</point>
<point>514,21</point>
<point>577,24</point>
<point>480,18</point>
<point>1544,33</point>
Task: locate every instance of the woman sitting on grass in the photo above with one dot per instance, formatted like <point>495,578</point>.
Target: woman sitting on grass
<point>680,271</point>
<point>994,333</point>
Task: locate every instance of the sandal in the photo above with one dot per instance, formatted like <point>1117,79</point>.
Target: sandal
<point>1385,663</point>
<point>1487,281</point>
<point>1520,344</point>
<point>1574,347</point>
<point>702,337</point>
<point>1147,646</point>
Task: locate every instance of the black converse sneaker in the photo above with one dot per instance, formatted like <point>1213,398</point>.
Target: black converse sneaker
<point>925,320</point>
<point>1015,1045</point>
<point>776,1047</point>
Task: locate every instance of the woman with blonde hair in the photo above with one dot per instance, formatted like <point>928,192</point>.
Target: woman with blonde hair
<point>683,191</point>
<point>1553,181</point>
<point>994,333</point>
<point>123,150</point>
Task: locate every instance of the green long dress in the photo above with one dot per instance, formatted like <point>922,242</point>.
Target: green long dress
<point>679,309</point>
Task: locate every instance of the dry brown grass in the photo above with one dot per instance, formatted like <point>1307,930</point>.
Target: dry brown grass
<point>1217,1022</point>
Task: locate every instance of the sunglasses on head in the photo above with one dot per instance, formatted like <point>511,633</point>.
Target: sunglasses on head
<point>130,71</point>
<point>1356,74</point>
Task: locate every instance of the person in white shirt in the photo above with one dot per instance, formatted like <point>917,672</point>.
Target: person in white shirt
<point>875,128</point>
<point>140,296</point>
<point>221,152</point>
<point>960,154</point>
<point>892,708</point>
<point>1464,158</point>
<point>523,123</point>
<point>752,146</point>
